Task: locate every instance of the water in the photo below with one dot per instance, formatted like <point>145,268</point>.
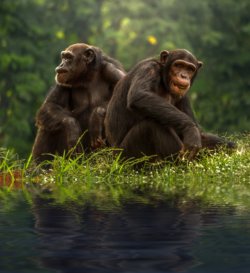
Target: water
<point>137,238</point>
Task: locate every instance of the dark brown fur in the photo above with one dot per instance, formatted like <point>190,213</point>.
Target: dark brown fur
<point>145,117</point>
<point>85,81</point>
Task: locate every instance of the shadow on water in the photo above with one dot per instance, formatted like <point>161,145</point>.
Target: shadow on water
<point>47,237</point>
<point>138,238</point>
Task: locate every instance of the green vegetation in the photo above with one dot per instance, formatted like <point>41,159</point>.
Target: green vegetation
<point>34,32</point>
<point>103,179</point>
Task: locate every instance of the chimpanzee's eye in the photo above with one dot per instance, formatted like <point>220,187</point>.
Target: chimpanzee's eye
<point>68,60</point>
<point>191,69</point>
<point>67,55</point>
<point>178,65</point>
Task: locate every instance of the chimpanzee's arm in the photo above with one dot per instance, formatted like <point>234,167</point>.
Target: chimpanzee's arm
<point>112,73</point>
<point>96,127</point>
<point>185,106</point>
<point>141,98</point>
<point>53,111</point>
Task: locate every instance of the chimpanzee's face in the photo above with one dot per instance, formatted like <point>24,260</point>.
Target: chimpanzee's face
<point>180,69</point>
<point>74,65</point>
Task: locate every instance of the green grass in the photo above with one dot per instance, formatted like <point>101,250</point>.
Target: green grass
<point>103,179</point>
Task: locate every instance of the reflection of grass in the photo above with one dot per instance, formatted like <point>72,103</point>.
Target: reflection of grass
<point>105,180</point>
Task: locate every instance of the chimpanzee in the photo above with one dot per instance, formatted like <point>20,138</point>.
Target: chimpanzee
<point>73,112</point>
<point>150,113</point>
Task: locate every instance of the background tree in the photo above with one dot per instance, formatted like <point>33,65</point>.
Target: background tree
<point>32,34</point>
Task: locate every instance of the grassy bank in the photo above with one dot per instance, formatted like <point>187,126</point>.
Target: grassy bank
<point>105,180</point>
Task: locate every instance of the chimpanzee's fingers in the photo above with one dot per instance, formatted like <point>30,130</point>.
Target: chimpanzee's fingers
<point>192,153</point>
<point>182,154</point>
<point>188,154</point>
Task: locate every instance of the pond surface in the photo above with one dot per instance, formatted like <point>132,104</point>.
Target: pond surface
<point>43,237</point>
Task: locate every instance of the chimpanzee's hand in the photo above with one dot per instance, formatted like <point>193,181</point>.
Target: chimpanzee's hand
<point>98,143</point>
<point>192,142</point>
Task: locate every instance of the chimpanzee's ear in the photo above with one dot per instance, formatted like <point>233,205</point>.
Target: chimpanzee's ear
<point>89,55</point>
<point>200,64</point>
<point>163,56</point>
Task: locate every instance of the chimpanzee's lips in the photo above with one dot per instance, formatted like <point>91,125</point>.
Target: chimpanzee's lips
<point>179,88</point>
<point>182,87</point>
<point>182,84</point>
<point>61,70</point>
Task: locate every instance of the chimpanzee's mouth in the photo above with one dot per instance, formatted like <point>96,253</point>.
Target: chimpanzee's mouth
<point>179,88</point>
<point>181,84</point>
<point>61,70</point>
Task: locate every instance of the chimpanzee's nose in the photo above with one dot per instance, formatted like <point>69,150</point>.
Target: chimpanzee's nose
<point>183,75</point>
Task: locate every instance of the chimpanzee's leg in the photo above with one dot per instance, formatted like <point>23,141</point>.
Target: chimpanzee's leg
<point>47,144</point>
<point>214,142</point>
<point>149,138</point>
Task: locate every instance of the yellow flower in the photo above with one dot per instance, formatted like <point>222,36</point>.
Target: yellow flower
<point>152,40</point>
<point>60,35</point>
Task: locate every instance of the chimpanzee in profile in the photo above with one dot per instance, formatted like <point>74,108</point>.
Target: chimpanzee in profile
<point>150,113</point>
<point>76,105</point>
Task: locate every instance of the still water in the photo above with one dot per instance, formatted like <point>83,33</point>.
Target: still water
<point>136,238</point>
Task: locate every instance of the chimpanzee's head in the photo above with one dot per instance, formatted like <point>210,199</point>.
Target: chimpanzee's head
<point>179,70</point>
<point>78,62</point>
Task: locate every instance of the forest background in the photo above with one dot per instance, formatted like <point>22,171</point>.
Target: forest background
<point>34,32</point>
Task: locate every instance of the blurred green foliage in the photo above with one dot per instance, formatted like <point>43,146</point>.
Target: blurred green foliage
<point>33,33</point>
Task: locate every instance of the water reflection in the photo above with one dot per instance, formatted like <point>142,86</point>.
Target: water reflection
<point>138,238</point>
<point>48,237</point>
